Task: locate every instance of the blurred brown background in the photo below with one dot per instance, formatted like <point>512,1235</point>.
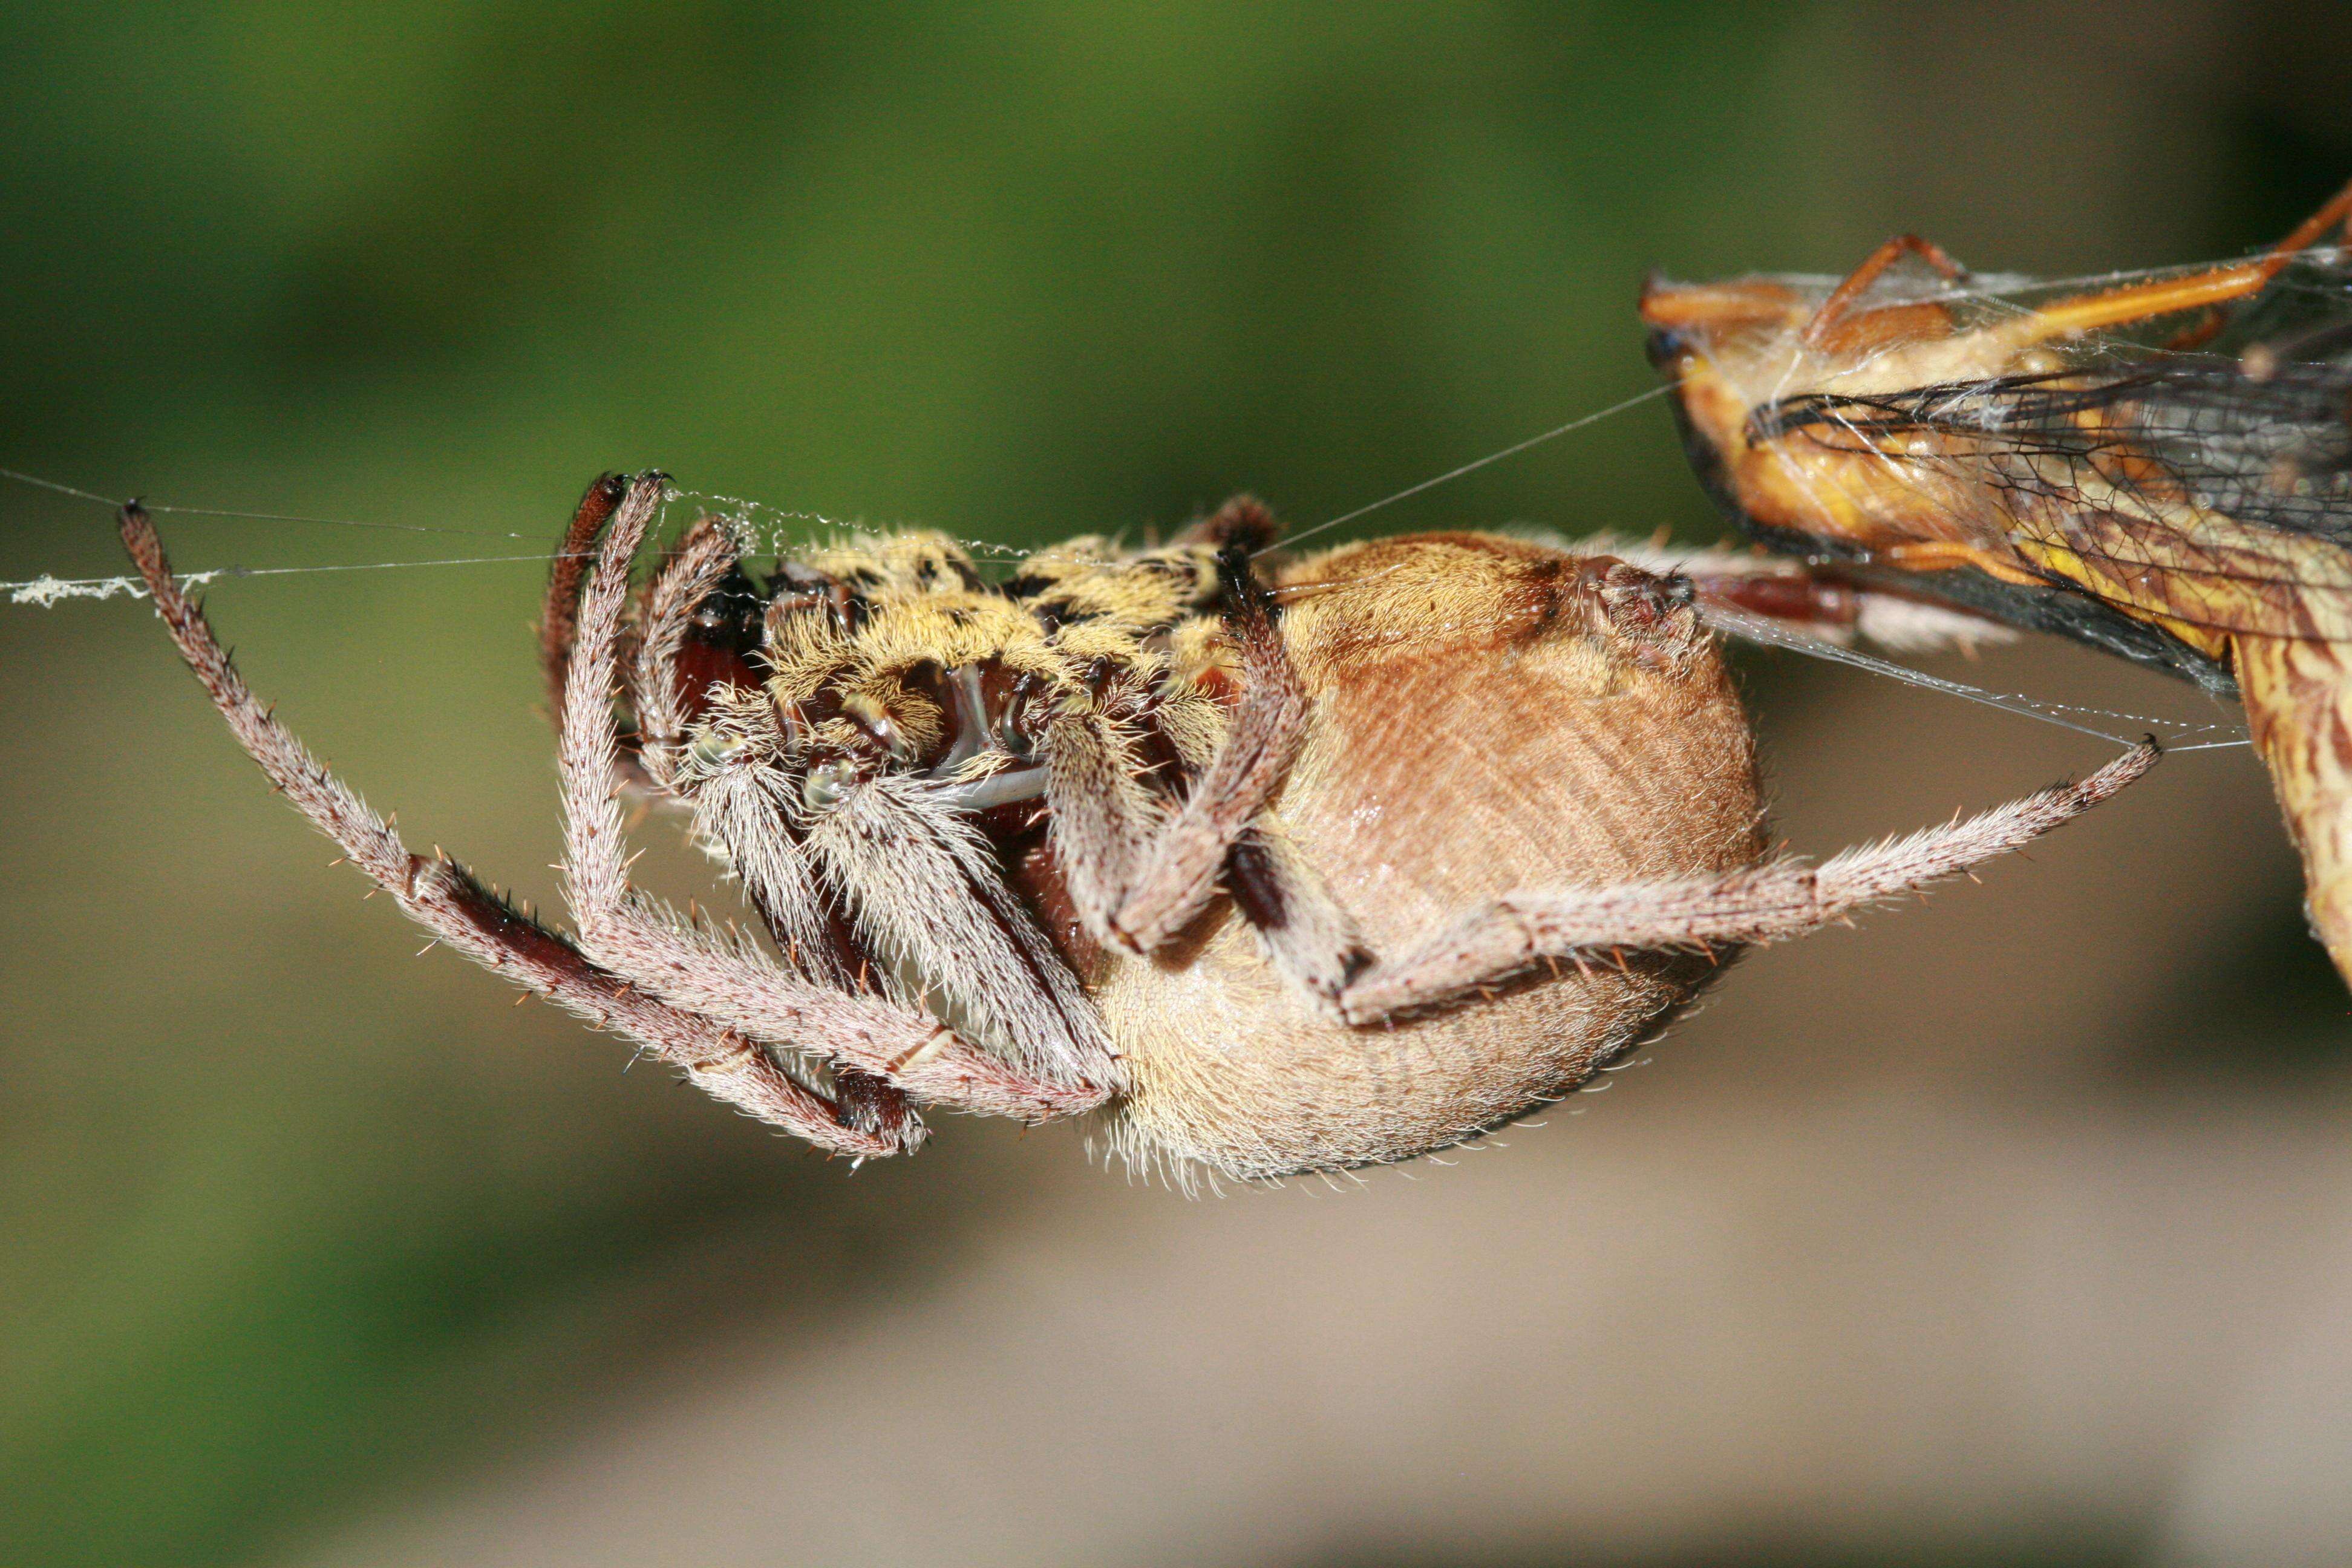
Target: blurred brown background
<point>2014,1227</point>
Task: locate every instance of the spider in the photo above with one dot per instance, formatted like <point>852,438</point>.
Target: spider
<point>1332,866</point>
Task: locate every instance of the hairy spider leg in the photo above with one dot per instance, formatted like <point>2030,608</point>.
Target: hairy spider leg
<point>642,940</point>
<point>1178,872</point>
<point>1318,945</point>
<point>1819,600</point>
<point>446,899</point>
<point>1320,948</point>
<point>559,619</point>
<point>1138,881</point>
<point>1772,903</point>
<point>692,571</point>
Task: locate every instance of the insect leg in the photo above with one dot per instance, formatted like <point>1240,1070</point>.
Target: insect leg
<point>2163,296</point>
<point>1506,936</point>
<point>446,899</point>
<point>1830,329</point>
<point>1681,307</point>
<point>2333,212</point>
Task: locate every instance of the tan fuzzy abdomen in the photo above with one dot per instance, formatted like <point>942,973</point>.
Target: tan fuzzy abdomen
<point>1472,735</point>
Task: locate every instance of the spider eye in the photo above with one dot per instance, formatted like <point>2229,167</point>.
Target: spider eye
<point>826,784</point>
<point>800,590</point>
<point>711,748</point>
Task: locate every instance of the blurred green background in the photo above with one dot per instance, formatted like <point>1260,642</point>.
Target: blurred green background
<point>2011,1228</point>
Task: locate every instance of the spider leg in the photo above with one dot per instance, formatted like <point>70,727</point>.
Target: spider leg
<point>641,939</point>
<point>659,696</point>
<point>1838,328</point>
<point>446,899</point>
<point>1099,817</point>
<point>1739,588</point>
<point>1222,829</point>
<point>1771,902</point>
<point>1309,934</point>
<point>559,619</point>
<point>1177,871</point>
<point>700,562</point>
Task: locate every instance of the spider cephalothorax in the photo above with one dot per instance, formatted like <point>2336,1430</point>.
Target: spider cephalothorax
<point>870,740</point>
<point>1336,865</point>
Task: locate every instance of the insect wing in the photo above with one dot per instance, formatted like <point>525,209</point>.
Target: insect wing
<point>2175,486</point>
<point>2208,491</point>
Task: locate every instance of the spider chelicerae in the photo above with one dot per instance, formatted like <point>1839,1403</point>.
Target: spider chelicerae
<point>1276,863</point>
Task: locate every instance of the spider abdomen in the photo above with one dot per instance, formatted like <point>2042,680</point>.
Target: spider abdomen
<point>1488,716</point>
